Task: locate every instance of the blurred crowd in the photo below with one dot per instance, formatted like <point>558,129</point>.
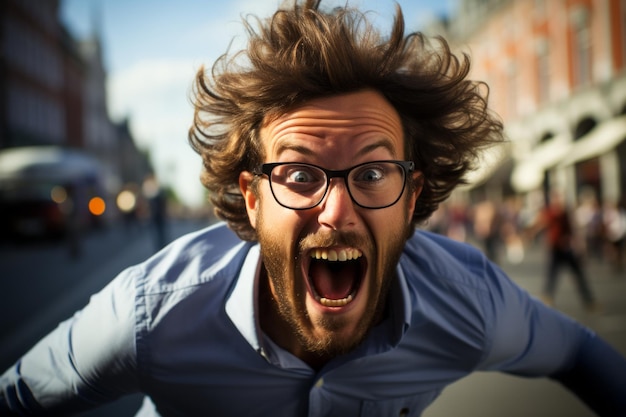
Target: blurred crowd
<point>505,229</point>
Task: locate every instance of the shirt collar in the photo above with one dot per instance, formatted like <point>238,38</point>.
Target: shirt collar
<point>241,305</point>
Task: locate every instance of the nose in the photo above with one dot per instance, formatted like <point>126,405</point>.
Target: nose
<point>337,210</point>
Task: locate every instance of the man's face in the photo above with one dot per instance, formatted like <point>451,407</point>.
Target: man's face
<point>326,306</point>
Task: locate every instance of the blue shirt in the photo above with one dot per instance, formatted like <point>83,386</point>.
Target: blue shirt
<point>183,328</point>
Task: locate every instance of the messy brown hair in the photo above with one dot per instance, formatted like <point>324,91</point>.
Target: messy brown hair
<point>301,53</point>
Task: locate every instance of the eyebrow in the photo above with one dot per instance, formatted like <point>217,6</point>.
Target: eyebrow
<point>381,143</point>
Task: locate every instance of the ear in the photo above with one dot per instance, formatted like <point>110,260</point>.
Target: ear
<point>418,184</point>
<point>249,196</point>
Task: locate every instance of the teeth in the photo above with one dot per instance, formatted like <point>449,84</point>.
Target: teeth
<point>335,303</point>
<point>334,255</point>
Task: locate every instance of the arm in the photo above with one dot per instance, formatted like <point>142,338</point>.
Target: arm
<point>87,360</point>
<point>531,339</point>
<point>597,375</point>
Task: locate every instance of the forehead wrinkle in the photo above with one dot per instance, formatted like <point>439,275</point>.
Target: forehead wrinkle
<point>289,134</point>
<point>384,143</point>
<point>340,119</point>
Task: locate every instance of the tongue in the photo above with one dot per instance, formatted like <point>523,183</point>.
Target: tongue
<point>332,280</point>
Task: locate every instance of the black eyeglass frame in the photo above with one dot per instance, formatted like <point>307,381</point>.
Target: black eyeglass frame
<point>407,168</point>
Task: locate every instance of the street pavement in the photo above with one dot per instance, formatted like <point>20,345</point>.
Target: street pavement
<point>26,315</point>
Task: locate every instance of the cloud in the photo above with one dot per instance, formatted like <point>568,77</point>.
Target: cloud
<point>154,95</point>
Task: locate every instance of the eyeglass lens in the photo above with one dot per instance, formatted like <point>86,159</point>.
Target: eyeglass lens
<point>371,185</point>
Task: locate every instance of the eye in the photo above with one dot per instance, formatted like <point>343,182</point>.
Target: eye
<point>369,174</point>
<point>302,175</point>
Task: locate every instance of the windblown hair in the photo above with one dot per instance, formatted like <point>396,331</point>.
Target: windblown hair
<point>302,53</point>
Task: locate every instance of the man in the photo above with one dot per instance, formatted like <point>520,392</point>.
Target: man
<point>323,146</point>
<point>563,250</point>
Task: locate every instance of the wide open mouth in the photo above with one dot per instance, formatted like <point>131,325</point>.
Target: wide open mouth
<point>335,275</point>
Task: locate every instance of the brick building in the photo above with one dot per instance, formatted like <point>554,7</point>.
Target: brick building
<point>557,76</point>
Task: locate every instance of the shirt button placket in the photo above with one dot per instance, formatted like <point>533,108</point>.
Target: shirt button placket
<point>317,405</point>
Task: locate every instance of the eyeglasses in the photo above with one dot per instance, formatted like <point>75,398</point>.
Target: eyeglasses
<point>371,185</point>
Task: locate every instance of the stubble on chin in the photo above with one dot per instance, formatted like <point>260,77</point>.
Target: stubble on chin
<point>325,336</point>
<point>321,336</point>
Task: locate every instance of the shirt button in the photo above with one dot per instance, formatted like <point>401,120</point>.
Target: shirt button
<point>319,383</point>
<point>404,412</point>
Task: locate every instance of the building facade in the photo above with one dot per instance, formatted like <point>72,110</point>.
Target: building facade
<point>557,76</point>
<point>53,92</point>
<point>32,74</point>
<point>99,132</point>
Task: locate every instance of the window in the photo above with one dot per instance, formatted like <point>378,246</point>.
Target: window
<point>581,46</point>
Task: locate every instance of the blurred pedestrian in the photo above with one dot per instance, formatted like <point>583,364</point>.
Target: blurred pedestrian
<point>457,221</point>
<point>486,226</point>
<point>614,221</point>
<point>510,230</point>
<point>564,250</point>
<point>588,221</point>
<point>157,200</point>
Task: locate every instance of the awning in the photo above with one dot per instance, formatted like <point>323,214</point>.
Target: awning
<point>528,173</point>
<point>600,140</point>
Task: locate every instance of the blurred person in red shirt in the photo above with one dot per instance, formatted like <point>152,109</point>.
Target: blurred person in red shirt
<point>564,251</point>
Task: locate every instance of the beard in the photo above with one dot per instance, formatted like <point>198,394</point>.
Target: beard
<point>326,336</point>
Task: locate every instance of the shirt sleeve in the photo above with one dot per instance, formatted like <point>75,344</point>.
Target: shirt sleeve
<point>531,339</point>
<point>598,377</point>
<point>87,360</point>
<point>526,337</point>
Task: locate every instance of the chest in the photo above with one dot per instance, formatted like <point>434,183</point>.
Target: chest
<point>225,376</point>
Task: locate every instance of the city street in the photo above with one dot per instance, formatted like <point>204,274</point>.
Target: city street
<point>42,285</point>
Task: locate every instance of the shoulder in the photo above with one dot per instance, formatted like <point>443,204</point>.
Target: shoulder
<point>435,256</point>
<point>192,260</point>
<point>449,281</point>
<point>469,306</point>
<point>450,297</point>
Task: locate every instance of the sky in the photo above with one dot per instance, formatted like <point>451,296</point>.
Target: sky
<point>153,48</point>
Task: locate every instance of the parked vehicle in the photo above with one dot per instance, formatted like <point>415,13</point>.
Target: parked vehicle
<point>45,191</point>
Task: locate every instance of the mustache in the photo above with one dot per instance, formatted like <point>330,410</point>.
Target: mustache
<point>331,238</point>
